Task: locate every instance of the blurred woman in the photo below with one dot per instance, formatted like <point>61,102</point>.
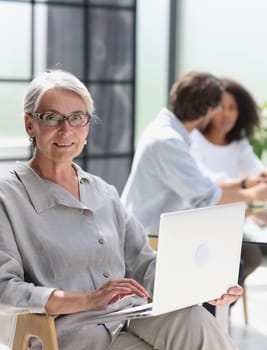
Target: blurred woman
<point>223,152</point>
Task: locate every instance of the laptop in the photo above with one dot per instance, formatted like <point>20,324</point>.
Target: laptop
<point>197,260</point>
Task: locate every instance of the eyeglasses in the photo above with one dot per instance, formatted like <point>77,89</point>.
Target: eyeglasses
<point>53,119</point>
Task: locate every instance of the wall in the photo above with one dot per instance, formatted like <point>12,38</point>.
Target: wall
<point>152,60</point>
<point>226,38</point>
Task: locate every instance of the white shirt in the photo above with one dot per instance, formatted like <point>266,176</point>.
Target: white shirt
<point>236,159</point>
<point>164,176</point>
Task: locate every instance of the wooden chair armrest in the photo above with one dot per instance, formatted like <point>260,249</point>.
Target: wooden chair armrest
<point>153,241</point>
<point>30,326</point>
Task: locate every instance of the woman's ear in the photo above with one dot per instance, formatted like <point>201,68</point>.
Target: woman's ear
<point>29,125</point>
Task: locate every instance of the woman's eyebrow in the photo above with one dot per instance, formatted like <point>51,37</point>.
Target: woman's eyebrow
<point>55,111</point>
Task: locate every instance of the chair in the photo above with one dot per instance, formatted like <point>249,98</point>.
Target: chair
<point>245,307</point>
<point>241,281</point>
<point>153,241</point>
<point>30,326</point>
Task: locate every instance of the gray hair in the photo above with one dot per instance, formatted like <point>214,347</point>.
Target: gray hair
<point>55,79</point>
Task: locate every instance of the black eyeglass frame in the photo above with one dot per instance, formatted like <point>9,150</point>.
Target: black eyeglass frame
<point>61,121</point>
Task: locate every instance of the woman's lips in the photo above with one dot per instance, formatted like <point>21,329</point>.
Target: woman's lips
<point>63,144</point>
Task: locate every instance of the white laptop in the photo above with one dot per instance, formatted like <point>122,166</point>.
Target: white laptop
<point>198,260</point>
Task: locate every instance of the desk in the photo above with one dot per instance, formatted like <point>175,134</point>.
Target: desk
<point>255,226</point>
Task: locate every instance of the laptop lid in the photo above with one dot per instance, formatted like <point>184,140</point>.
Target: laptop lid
<point>198,260</point>
<point>198,255</point>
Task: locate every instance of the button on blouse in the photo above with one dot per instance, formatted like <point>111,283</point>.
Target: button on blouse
<point>101,241</point>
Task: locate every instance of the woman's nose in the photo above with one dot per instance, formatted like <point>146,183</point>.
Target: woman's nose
<point>65,124</point>
<point>64,127</point>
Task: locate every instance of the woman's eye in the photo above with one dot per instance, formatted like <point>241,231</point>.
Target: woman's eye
<point>52,117</point>
<point>77,117</point>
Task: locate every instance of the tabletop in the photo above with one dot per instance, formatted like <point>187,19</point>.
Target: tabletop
<point>255,226</point>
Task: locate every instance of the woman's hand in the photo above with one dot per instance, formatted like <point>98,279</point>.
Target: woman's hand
<point>226,299</point>
<point>251,181</point>
<point>114,290</point>
<point>65,302</point>
<point>258,192</point>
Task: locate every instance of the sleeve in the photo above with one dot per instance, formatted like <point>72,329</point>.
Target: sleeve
<point>16,295</point>
<point>181,174</point>
<point>249,163</point>
<point>140,258</point>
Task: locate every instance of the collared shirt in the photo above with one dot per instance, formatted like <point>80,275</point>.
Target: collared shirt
<point>164,177</point>
<point>49,240</point>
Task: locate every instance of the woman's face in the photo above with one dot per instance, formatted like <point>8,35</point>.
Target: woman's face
<point>225,119</point>
<point>62,143</point>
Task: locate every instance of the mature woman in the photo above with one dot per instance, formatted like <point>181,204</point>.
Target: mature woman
<point>67,245</point>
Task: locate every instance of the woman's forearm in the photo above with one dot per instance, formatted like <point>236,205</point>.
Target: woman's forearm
<point>61,302</point>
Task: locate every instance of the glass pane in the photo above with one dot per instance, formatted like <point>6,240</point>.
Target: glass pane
<point>15,40</point>
<point>5,168</point>
<point>40,36</point>
<point>11,150</point>
<point>63,1</point>
<point>110,44</point>
<point>65,39</point>
<point>113,2</point>
<point>114,107</point>
<point>14,1</point>
<point>12,121</point>
<point>114,171</point>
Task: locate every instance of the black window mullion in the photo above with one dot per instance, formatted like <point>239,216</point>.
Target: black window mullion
<point>86,63</point>
<point>133,85</point>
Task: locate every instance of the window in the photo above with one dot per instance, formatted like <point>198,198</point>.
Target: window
<point>93,39</point>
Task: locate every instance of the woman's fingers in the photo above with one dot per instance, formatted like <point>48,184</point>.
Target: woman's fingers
<point>226,299</point>
<point>114,290</point>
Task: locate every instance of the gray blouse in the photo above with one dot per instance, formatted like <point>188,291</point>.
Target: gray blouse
<point>49,240</point>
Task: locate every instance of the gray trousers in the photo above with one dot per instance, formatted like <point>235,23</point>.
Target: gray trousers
<point>188,329</point>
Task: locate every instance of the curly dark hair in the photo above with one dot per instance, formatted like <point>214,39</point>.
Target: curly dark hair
<point>248,111</point>
<point>193,94</point>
